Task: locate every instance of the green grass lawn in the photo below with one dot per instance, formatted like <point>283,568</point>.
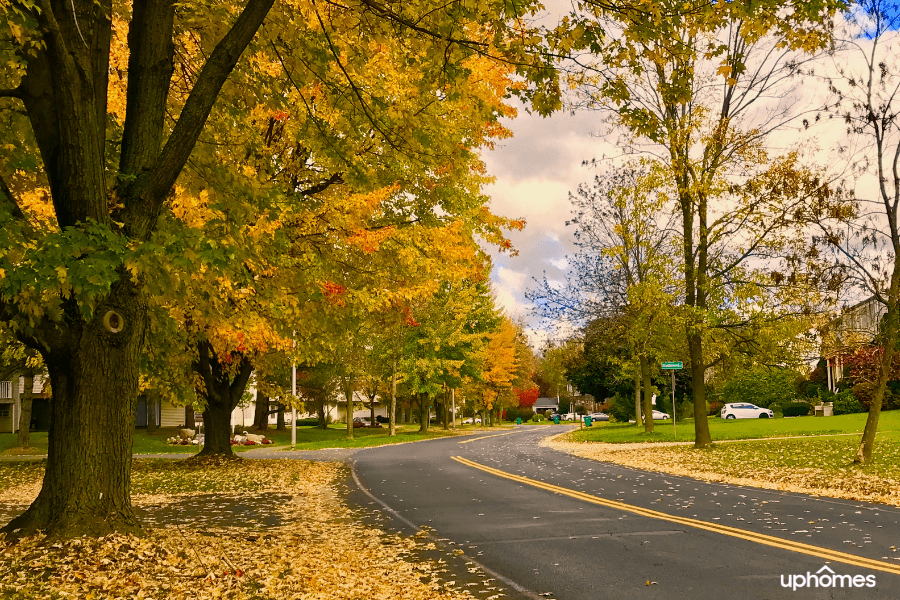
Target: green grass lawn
<point>737,429</point>
<point>308,438</point>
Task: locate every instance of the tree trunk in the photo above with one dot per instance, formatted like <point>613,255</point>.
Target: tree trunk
<point>217,430</point>
<point>261,412</point>
<point>372,410</point>
<point>222,394</point>
<point>638,409</point>
<point>152,411</point>
<point>424,412</point>
<point>279,421</point>
<point>702,438</point>
<point>648,399</point>
<point>24,438</point>
<point>322,424</point>
<point>348,400</point>
<point>892,330</point>
<point>392,413</point>
<point>94,373</point>
<point>189,421</point>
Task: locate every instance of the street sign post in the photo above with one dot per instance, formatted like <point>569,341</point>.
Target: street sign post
<point>673,365</point>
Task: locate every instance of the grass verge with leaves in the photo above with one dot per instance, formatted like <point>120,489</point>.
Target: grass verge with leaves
<point>820,466</point>
<point>247,529</point>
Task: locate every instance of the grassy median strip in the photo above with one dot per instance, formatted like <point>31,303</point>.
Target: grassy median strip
<point>759,538</point>
<point>249,529</point>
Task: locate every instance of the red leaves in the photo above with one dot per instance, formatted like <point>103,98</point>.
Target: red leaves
<point>408,318</point>
<point>333,292</point>
<point>528,397</point>
<point>281,115</point>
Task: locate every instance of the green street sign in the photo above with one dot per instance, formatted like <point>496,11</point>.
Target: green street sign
<point>673,365</point>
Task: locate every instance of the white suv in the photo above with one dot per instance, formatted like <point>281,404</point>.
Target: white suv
<point>742,410</point>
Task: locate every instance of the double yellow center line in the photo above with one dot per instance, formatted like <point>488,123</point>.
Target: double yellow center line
<point>759,538</point>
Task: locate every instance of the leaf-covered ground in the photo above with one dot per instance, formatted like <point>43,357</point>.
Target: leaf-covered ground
<point>252,529</point>
<point>820,466</point>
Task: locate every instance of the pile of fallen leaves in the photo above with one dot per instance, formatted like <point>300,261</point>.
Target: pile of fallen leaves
<point>818,466</point>
<point>244,529</point>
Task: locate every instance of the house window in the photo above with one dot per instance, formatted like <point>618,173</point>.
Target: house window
<point>4,413</point>
<point>6,389</point>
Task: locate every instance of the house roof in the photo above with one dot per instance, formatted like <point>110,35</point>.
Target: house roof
<point>546,403</point>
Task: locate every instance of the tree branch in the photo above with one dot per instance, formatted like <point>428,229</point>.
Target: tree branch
<point>194,115</point>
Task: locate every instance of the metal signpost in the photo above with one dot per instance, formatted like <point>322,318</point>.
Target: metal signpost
<point>673,366</point>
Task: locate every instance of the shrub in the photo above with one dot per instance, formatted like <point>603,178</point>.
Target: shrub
<point>538,417</point>
<point>307,422</point>
<point>795,409</point>
<point>621,408</point>
<point>761,386</point>
<point>713,408</point>
<point>382,419</point>
<point>846,403</point>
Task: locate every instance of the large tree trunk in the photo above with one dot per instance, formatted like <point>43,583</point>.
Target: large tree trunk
<point>261,412</point>
<point>217,430</point>
<point>279,421</point>
<point>222,394</point>
<point>648,398</point>
<point>94,373</point>
<point>24,438</point>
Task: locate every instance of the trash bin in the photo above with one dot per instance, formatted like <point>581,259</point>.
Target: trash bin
<point>556,419</point>
<point>587,421</point>
<point>518,420</point>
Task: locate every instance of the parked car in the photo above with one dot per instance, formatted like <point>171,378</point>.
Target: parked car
<point>742,410</point>
<point>599,416</point>
<point>658,414</point>
<point>471,420</point>
<point>364,422</point>
<point>568,417</point>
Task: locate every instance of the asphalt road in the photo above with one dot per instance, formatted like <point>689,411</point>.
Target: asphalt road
<point>544,524</point>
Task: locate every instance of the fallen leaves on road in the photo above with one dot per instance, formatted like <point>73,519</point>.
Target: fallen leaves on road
<point>820,466</point>
<point>317,549</point>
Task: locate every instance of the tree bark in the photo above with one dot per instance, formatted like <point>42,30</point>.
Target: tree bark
<point>392,420</point>
<point>261,412</point>
<point>24,437</point>
<point>94,372</point>
<point>892,331</point>
<point>217,430</point>
<point>348,400</point>
<point>424,412</point>
<point>638,409</point>
<point>152,403</point>
<point>221,394</point>
<point>279,422</point>
<point>323,421</point>
<point>648,399</point>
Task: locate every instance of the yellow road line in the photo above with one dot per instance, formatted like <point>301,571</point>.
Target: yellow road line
<point>484,437</point>
<point>759,538</point>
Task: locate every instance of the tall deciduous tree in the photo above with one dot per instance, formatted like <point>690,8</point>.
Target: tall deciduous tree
<point>103,126</point>
<point>861,231</point>
<point>684,85</point>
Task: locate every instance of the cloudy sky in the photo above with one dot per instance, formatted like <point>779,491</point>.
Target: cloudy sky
<point>535,172</point>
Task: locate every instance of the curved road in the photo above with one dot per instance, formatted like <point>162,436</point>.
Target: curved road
<point>550,525</point>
